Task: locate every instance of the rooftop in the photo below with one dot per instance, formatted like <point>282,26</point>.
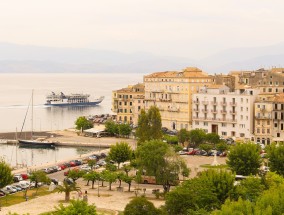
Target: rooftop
<point>189,72</point>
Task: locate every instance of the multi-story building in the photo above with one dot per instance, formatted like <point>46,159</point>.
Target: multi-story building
<point>172,93</point>
<point>268,81</point>
<point>229,114</point>
<point>127,103</point>
<point>227,80</point>
<point>263,131</point>
<point>269,119</point>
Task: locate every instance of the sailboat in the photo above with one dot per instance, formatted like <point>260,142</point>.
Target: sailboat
<point>38,143</point>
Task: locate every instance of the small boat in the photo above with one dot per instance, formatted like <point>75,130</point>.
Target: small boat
<point>38,143</point>
<point>72,99</point>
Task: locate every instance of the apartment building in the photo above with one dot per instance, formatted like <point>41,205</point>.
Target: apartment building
<point>269,119</point>
<point>229,114</point>
<point>127,103</point>
<point>227,80</point>
<point>171,92</point>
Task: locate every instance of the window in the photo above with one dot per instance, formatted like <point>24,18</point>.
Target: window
<point>130,96</point>
<point>125,103</point>
<point>130,103</point>
<point>275,125</point>
<point>224,125</point>
<point>269,90</point>
<point>242,134</point>
<point>125,110</point>
<point>196,123</point>
<point>278,134</point>
<point>205,123</point>
<point>224,133</point>
<point>120,103</point>
<point>268,131</point>
<point>242,108</point>
<point>258,131</point>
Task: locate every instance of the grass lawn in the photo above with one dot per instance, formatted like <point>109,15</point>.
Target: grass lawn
<point>18,197</point>
<point>221,166</point>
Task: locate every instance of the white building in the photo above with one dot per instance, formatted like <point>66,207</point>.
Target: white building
<point>229,114</point>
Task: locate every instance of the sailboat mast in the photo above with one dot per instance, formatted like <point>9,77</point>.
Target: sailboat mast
<point>32,114</point>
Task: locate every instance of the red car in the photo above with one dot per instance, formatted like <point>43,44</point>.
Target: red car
<point>193,152</point>
<point>62,166</point>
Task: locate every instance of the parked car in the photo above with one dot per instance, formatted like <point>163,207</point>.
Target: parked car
<point>2,193</point>
<point>19,187</point>
<point>62,166</point>
<point>54,181</point>
<point>16,187</point>
<point>85,168</point>
<point>101,163</point>
<point>47,170</point>
<point>182,152</point>
<point>17,178</point>
<point>24,184</point>
<point>67,164</point>
<point>10,189</point>
<point>72,163</point>
<point>103,155</point>
<point>68,180</point>
<point>93,157</point>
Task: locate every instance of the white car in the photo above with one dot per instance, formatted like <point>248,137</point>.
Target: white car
<point>11,189</point>
<point>85,168</point>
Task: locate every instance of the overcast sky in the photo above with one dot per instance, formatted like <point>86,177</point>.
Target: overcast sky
<point>189,28</point>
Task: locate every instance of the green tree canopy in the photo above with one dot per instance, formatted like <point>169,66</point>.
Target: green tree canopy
<point>197,137</point>
<point>75,174</point>
<point>110,177</point>
<point>222,146</point>
<point>140,206</point>
<point>183,136</point>
<point>149,125</point>
<point>67,189</point>
<point>92,176</point>
<point>6,176</point>
<point>206,147</point>
<point>240,207</point>
<point>76,207</point>
<point>120,152</point>
<point>276,158</point>
<point>82,123</point>
<point>212,138</point>
<point>158,159</point>
<point>124,129</point>
<point>39,176</point>
<point>244,158</point>
<point>111,127</point>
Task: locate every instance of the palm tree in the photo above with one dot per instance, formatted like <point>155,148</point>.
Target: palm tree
<point>67,188</point>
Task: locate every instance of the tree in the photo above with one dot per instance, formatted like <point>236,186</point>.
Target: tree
<point>197,137</point>
<point>110,177</point>
<point>124,129</point>
<point>273,180</point>
<point>120,176</point>
<point>149,125</point>
<point>249,189</point>
<point>222,146</point>
<point>212,138</point>
<point>183,136</point>
<point>155,123</point>
<point>120,152</point>
<point>6,176</point>
<point>128,180</point>
<point>75,174</point>
<point>159,160</point>
<point>221,180</point>
<point>143,130</point>
<point>140,206</point>
<point>111,127</point>
<point>74,208</point>
<point>67,189</point>
<point>206,147</point>
<point>192,194</point>
<point>82,123</point>
<point>244,159</point>
<point>39,176</point>
<point>276,158</point>
<point>171,139</point>
<point>92,163</point>
<point>241,207</point>
<point>126,169</point>
<point>92,176</point>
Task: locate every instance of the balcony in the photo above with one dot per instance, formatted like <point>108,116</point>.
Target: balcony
<point>233,112</point>
<point>233,103</point>
<point>165,99</point>
<point>223,112</point>
<point>263,117</point>
<point>205,102</point>
<point>214,111</point>
<point>205,110</point>
<point>196,110</point>
<point>214,103</point>
<point>173,109</point>
<point>223,103</point>
<point>196,101</point>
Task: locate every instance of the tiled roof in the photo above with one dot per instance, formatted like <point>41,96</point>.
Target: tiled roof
<point>279,98</point>
<point>188,72</point>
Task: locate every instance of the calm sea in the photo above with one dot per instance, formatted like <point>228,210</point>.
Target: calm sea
<point>16,91</point>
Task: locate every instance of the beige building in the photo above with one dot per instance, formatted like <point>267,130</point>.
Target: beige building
<point>171,92</point>
<point>228,114</point>
<point>127,103</point>
<point>269,119</point>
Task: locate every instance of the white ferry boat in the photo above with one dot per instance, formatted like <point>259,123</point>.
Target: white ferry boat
<point>72,99</point>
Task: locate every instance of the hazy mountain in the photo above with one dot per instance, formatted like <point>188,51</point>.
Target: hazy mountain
<point>37,59</point>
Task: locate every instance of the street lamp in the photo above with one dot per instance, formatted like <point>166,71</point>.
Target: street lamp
<point>98,188</point>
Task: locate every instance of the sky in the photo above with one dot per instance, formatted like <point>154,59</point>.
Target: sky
<point>182,28</point>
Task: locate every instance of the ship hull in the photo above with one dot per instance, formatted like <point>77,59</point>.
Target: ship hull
<point>74,104</point>
<point>35,144</point>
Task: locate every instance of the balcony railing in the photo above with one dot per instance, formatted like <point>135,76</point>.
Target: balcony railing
<point>223,103</point>
<point>223,111</point>
<point>214,111</point>
<point>205,110</point>
<point>233,103</point>
<point>214,103</point>
<point>205,102</point>
<point>196,101</point>
<point>196,110</point>
<point>233,112</point>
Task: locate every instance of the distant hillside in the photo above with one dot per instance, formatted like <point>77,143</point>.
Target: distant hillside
<point>35,59</point>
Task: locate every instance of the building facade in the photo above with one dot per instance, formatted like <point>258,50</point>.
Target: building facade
<point>172,93</point>
<point>228,114</point>
<point>127,103</point>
